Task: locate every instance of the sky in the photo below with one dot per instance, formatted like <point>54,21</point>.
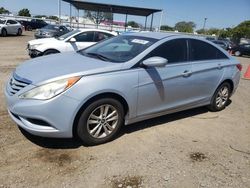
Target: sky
<point>219,13</point>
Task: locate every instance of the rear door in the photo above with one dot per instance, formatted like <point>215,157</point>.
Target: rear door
<point>208,66</point>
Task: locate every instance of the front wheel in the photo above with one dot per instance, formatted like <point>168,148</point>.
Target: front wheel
<point>220,98</point>
<point>237,53</point>
<point>100,121</point>
<point>48,52</point>
<point>4,32</point>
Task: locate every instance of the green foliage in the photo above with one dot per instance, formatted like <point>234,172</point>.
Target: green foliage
<point>24,12</point>
<point>166,28</point>
<point>53,18</point>
<point>4,11</point>
<point>185,26</point>
<point>98,17</point>
<point>133,24</point>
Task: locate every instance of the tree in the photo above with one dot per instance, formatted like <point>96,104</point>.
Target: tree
<point>53,18</point>
<point>185,26</point>
<point>133,24</point>
<point>4,11</point>
<point>201,31</point>
<point>167,28</point>
<point>24,12</point>
<point>98,17</point>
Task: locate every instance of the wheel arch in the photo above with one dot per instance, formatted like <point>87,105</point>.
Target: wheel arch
<point>116,96</point>
<point>51,50</point>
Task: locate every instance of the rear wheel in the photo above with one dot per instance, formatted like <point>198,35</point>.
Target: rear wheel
<point>221,97</point>
<point>4,32</point>
<point>19,32</point>
<point>48,52</point>
<point>29,28</point>
<point>100,121</point>
<point>237,53</point>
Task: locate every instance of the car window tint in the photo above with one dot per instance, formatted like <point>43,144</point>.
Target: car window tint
<point>174,51</point>
<point>85,37</point>
<point>11,22</point>
<point>101,36</point>
<point>200,50</point>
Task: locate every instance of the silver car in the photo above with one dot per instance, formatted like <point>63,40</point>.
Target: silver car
<point>91,93</point>
<point>9,26</point>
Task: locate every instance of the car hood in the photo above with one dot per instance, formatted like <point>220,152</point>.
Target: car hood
<point>42,41</point>
<point>53,67</point>
<point>47,30</point>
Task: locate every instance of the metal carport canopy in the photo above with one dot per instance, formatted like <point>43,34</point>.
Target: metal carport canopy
<point>119,9</point>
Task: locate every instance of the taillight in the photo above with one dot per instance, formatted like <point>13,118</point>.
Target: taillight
<point>239,66</point>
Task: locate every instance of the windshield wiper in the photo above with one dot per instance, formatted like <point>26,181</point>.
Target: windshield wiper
<point>99,56</point>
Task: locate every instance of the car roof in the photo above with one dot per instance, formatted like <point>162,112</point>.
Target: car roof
<point>155,35</point>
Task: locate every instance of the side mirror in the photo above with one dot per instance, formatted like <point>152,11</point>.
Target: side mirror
<point>73,40</point>
<point>155,62</point>
<point>7,23</point>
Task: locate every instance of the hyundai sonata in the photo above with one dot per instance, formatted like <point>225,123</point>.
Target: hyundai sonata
<point>91,93</point>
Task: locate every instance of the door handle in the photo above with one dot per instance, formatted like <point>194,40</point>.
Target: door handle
<point>219,66</point>
<point>186,73</point>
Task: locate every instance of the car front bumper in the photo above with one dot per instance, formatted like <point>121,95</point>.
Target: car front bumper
<point>46,118</point>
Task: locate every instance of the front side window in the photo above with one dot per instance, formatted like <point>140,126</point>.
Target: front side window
<point>11,22</point>
<point>85,37</point>
<point>65,36</point>
<point>119,49</point>
<point>101,36</point>
<point>174,51</point>
<point>200,50</point>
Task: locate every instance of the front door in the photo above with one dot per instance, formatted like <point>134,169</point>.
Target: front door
<point>166,88</point>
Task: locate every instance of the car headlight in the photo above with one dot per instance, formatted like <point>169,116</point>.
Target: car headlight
<point>34,46</point>
<point>50,90</point>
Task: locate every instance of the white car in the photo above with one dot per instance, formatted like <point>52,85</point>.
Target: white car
<point>72,41</point>
<point>9,26</point>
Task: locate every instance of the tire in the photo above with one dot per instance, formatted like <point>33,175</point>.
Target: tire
<point>237,53</point>
<point>221,97</point>
<point>100,121</point>
<point>29,28</point>
<point>48,52</point>
<point>4,32</point>
<point>19,32</point>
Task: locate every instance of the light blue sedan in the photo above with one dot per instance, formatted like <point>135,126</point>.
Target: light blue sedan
<point>92,93</point>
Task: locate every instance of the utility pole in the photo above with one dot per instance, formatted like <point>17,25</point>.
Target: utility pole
<point>205,20</point>
<point>160,21</point>
<point>59,11</point>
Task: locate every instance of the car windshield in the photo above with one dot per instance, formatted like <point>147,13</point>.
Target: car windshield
<point>52,27</point>
<point>119,49</point>
<point>2,21</point>
<point>63,37</point>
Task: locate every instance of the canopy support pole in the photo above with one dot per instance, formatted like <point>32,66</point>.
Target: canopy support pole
<point>151,25</point>
<point>145,27</point>
<point>126,20</point>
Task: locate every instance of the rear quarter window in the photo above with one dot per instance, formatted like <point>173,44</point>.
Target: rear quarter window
<point>200,50</point>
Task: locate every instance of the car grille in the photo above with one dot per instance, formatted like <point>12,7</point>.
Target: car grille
<point>16,85</point>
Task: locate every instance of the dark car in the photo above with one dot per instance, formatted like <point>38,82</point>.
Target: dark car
<point>33,24</point>
<point>51,31</point>
<point>221,43</point>
<point>243,49</point>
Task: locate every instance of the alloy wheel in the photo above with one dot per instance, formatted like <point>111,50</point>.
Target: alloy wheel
<point>102,121</point>
<point>222,97</point>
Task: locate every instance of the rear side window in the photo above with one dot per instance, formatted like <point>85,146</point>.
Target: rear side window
<point>200,50</point>
<point>174,51</point>
<point>85,37</point>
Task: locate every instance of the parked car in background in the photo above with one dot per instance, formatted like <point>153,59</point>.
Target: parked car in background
<point>33,24</point>
<point>243,49</point>
<point>93,92</point>
<point>51,31</point>
<point>72,41</point>
<point>220,43</point>
<point>9,26</point>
